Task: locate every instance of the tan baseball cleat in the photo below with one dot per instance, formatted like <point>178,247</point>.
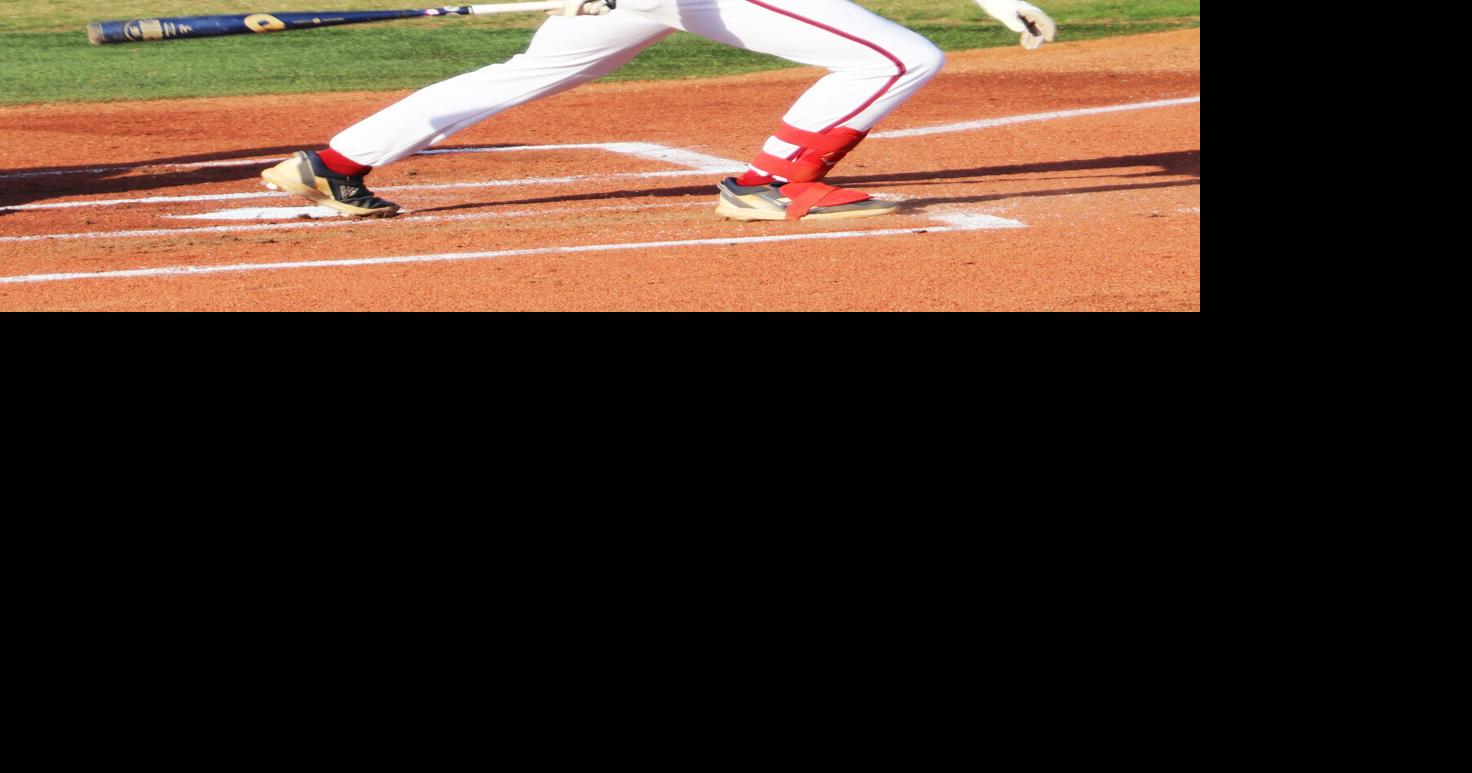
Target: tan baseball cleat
<point>305,175</point>
<point>796,201</point>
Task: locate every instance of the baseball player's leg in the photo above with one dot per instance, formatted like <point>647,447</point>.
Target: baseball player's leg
<point>565,52</point>
<point>876,63</point>
<point>875,66</point>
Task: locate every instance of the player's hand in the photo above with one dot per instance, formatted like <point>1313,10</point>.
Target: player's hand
<point>583,8</point>
<point>1036,27</point>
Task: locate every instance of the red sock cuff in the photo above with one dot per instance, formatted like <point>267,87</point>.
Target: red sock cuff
<point>341,164</point>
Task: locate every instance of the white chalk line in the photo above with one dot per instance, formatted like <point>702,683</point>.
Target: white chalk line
<point>268,213</point>
<point>335,223</point>
<point>649,150</point>
<point>646,150</point>
<point>958,222</point>
<point>992,123</point>
<point>264,194</point>
<point>700,163</point>
<point>725,164</point>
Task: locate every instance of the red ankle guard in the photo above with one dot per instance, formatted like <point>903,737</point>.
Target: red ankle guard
<point>817,156</point>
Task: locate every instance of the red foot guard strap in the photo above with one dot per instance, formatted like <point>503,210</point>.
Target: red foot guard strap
<point>805,196</point>
<point>817,155</point>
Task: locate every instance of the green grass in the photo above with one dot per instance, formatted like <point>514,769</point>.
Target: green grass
<point>45,55</point>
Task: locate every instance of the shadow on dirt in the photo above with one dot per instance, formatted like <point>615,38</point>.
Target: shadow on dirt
<point>29,186</point>
<point>1180,164</point>
<point>24,186</point>
<point>152,177</point>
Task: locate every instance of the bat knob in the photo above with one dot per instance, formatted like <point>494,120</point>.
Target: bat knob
<point>94,33</point>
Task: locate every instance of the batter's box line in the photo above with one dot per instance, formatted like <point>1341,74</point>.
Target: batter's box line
<point>337,221</point>
<point>696,162</point>
<point>923,131</point>
<point>956,222</point>
<point>699,164</point>
<point>647,150</point>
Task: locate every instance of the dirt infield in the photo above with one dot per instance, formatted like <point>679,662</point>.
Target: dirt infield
<point>1066,179</point>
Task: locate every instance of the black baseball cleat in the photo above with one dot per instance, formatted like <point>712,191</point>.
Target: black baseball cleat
<point>305,175</point>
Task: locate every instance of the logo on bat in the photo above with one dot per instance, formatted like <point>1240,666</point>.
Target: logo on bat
<point>145,29</point>
<point>264,22</point>
<point>154,29</point>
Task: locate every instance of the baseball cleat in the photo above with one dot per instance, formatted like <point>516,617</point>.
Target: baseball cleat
<point>305,175</point>
<point>796,201</point>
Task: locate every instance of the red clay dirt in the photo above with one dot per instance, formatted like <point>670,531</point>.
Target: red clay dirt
<point>1111,202</point>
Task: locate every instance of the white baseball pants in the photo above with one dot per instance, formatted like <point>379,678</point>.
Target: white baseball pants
<point>874,64</point>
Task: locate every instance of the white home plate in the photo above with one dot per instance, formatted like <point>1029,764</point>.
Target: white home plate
<point>264,213</point>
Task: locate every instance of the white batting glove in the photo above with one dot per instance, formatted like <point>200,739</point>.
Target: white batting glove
<point>1036,27</point>
<point>582,8</point>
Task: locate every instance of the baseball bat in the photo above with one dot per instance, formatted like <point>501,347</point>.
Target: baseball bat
<point>102,32</point>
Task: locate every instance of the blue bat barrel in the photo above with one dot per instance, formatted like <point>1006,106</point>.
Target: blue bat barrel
<point>136,30</point>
